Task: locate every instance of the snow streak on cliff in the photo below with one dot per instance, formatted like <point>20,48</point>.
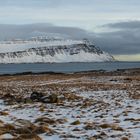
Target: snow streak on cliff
<point>51,50</point>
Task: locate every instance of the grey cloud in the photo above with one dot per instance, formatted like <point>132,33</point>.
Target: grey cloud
<point>26,31</point>
<point>31,3</point>
<point>123,41</point>
<point>117,45</point>
<point>126,40</point>
<point>44,3</point>
<point>124,25</point>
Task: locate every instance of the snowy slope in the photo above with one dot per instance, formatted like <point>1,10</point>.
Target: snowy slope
<point>51,50</point>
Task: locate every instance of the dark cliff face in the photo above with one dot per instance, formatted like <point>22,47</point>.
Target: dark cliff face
<point>43,51</point>
<point>54,51</point>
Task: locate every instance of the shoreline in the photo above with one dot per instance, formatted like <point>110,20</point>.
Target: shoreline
<point>128,71</point>
<point>20,69</point>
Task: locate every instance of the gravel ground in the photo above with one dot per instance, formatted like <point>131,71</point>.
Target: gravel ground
<point>85,106</point>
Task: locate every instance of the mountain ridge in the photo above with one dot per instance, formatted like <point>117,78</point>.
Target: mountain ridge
<point>52,50</point>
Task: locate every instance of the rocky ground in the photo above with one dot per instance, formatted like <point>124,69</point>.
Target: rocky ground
<point>86,106</point>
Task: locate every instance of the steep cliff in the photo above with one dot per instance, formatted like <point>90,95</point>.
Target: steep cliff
<point>45,50</point>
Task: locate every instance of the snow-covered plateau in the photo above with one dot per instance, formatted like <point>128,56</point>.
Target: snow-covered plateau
<point>51,50</point>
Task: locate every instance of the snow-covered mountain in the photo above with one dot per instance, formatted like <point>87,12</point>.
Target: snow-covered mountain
<point>52,50</point>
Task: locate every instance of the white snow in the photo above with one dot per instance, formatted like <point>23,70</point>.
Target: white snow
<point>88,114</point>
<point>24,45</point>
<point>31,57</point>
<point>62,56</point>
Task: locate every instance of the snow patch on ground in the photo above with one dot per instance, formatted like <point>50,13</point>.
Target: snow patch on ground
<point>111,106</point>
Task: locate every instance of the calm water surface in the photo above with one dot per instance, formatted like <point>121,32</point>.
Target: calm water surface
<point>65,67</point>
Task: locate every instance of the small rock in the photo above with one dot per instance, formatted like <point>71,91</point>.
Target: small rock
<point>50,99</point>
<point>2,113</point>
<point>43,129</point>
<point>35,96</point>
<point>29,137</point>
<point>76,122</point>
<point>43,120</point>
<point>112,126</point>
<point>89,126</point>
<point>124,138</point>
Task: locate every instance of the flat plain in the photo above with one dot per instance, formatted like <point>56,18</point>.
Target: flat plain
<point>94,105</point>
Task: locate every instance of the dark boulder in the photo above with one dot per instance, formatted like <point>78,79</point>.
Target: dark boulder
<point>53,98</point>
<point>36,96</point>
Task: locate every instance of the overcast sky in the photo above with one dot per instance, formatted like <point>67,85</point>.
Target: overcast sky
<point>113,24</point>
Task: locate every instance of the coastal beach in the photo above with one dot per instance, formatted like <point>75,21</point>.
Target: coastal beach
<point>69,69</point>
<point>84,105</point>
